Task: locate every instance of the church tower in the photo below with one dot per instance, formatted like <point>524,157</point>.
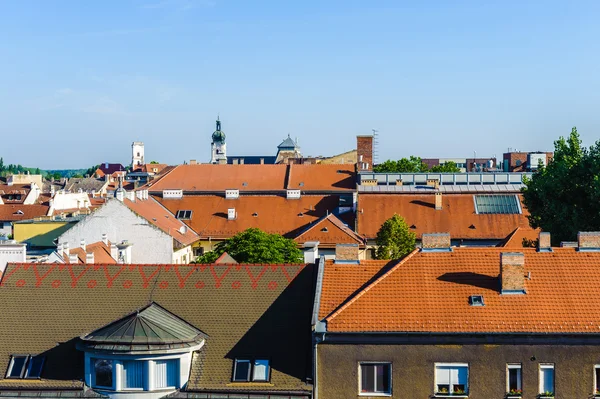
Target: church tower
<point>218,146</point>
<point>137,154</point>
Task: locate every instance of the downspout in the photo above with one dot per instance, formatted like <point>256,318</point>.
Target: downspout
<point>319,327</point>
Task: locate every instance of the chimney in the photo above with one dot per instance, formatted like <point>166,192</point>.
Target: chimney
<point>438,201</point>
<point>193,162</point>
<point>436,242</point>
<point>105,238</point>
<point>399,182</point>
<point>346,254</point>
<point>262,161</point>
<point>73,258</point>
<point>124,249</point>
<point>512,273</point>
<point>568,244</point>
<point>89,258</point>
<point>66,247</point>
<point>364,153</point>
<point>311,251</point>
<point>588,241</point>
<point>368,182</point>
<point>114,251</point>
<point>231,214</point>
<point>59,248</point>
<point>235,161</point>
<point>435,183</point>
<point>82,244</point>
<point>241,161</point>
<point>544,242</point>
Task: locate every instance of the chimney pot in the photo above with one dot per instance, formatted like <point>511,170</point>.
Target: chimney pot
<point>512,273</point>
<point>438,201</point>
<point>241,161</point>
<point>192,162</point>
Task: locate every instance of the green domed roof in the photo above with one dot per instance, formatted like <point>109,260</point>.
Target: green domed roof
<point>218,135</point>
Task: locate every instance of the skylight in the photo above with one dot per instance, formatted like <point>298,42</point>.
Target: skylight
<point>497,204</point>
<point>476,300</point>
<point>184,215</point>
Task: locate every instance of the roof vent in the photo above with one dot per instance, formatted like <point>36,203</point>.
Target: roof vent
<point>231,214</point>
<point>255,214</point>
<point>183,229</point>
<point>172,194</point>
<point>476,300</point>
<point>232,194</point>
<point>324,230</point>
<point>244,184</point>
<point>293,194</point>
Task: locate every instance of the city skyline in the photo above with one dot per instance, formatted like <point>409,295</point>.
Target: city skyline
<point>435,80</point>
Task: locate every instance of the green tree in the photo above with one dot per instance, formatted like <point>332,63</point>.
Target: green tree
<point>1,164</point>
<point>153,162</point>
<point>394,239</point>
<point>448,167</point>
<point>56,176</point>
<point>404,165</point>
<point>255,246</point>
<point>563,198</point>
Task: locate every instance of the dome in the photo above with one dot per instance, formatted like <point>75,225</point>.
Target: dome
<point>218,136</point>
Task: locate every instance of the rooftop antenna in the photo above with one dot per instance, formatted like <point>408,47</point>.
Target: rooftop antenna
<point>375,146</point>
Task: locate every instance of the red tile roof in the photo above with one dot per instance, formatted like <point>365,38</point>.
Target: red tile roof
<point>218,178</point>
<point>150,167</point>
<point>515,239</point>
<point>108,169</point>
<point>270,213</point>
<point>329,231</point>
<point>457,217</point>
<point>100,250</point>
<point>429,292</point>
<point>160,217</point>
<point>10,213</point>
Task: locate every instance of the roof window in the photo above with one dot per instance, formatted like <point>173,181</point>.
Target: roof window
<point>25,366</point>
<point>324,229</point>
<point>255,214</point>
<point>245,370</point>
<point>497,204</point>
<point>476,300</point>
<point>184,215</point>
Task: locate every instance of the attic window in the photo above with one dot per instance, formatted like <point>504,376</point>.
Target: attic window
<point>184,215</point>
<point>324,230</point>
<point>255,214</point>
<point>245,370</point>
<point>301,214</point>
<point>497,204</point>
<point>19,212</point>
<point>25,366</point>
<point>476,300</point>
<point>412,226</point>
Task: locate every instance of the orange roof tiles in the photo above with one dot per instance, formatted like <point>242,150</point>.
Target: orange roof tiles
<point>515,239</point>
<point>329,230</point>
<point>457,217</point>
<point>322,177</point>
<point>160,217</point>
<point>270,213</point>
<point>429,292</point>
<point>11,213</point>
<point>100,250</point>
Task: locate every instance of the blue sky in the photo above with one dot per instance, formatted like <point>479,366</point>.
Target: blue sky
<point>81,80</point>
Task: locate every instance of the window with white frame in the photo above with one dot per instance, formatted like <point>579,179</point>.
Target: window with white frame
<point>16,368</point>
<point>451,378</point>
<point>133,374</point>
<point>256,370</point>
<point>375,378</point>
<point>597,379</point>
<point>103,373</point>
<point>546,380</point>
<point>513,379</point>
<point>166,373</point>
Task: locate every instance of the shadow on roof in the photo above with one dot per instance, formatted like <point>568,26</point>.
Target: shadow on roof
<point>423,203</point>
<point>64,362</point>
<point>473,279</point>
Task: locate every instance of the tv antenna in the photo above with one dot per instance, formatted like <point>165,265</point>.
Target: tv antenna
<point>375,146</point>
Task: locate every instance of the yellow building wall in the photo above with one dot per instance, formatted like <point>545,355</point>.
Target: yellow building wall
<point>40,234</point>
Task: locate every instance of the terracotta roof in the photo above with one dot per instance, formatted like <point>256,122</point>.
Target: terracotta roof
<point>6,190</point>
<point>322,177</point>
<point>218,178</point>
<point>262,311</point>
<point>109,169</point>
<point>515,239</point>
<point>429,292</point>
<point>225,258</point>
<point>457,217</point>
<point>149,167</point>
<point>160,217</point>
<point>329,230</point>
<point>100,250</point>
<point>270,213</point>
<point>10,212</point>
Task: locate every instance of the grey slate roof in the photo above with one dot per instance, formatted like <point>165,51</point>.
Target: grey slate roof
<point>288,143</point>
<point>86,184</point>
<point>471,188</point>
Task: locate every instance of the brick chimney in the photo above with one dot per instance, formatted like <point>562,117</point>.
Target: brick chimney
<point>368,182</point>
<point>193,162</point>
<point>346,254</point>
<point>435,183</point>
<point>436,242</point>
<point>544,244</point>
<point>588,240</point>
<point>364,153</point>
<point>512,273</point>
<point>438,201</point>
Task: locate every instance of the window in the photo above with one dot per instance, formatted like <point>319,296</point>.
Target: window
<point>497,204</point>
<point>375,378</point>
<point>597,379</point>
<point>16,368</point>
<point>34,369</point>
<point>476,300</point>
<point>546,380</point>
<point>103,373</point>
<point>451,379</point>
<point>166,373</point>
<point>258,369</point>
<point>184,215</point>
<point>513,379</point>
<point>133,374</point>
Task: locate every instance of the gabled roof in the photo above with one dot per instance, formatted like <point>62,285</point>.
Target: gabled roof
<point>100,250</point>
<point>329,230</point>
<point>13,213</point>
<point>160,217</point>
<point>515,239</point>
<point>429,292</point>
<point>288,143</point>
<point>322,177</point>
<point>149,328</point>
<point>109,169</point>
<point>457,217</point>
<point>86,184</point>
<point>225,258</point>
<point>150,168</point>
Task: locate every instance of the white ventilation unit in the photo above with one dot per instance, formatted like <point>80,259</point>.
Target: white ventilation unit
<point>183,229</point>
<point>293,194</point>
<point>172,193</point>
<point>231,214</point>
<point>232,194</point>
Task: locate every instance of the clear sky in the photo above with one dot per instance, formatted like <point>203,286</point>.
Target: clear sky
<point>80,80</point>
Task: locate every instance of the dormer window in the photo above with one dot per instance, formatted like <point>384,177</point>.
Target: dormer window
<point>246,370</point>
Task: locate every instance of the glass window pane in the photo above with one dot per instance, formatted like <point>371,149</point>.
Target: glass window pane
<point>18,364</point>
<point>165,373</point>
<point>547,379</point>
<point>133,374</point>
<point>103,372</point>
<point>383,378</point>
<point>242,370</point>
<point>35,367</point>
<point>261,370</point>
<point>367,372</point>
<point>597,380</point>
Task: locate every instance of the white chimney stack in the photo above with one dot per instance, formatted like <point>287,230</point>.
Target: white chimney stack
<point>105,238</point>
<point>231,214</point>
<point>82,244</point>
<point>73,258</point>
<point>89,258</point>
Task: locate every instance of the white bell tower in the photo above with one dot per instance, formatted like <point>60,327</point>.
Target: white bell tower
<point>137,154</point>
